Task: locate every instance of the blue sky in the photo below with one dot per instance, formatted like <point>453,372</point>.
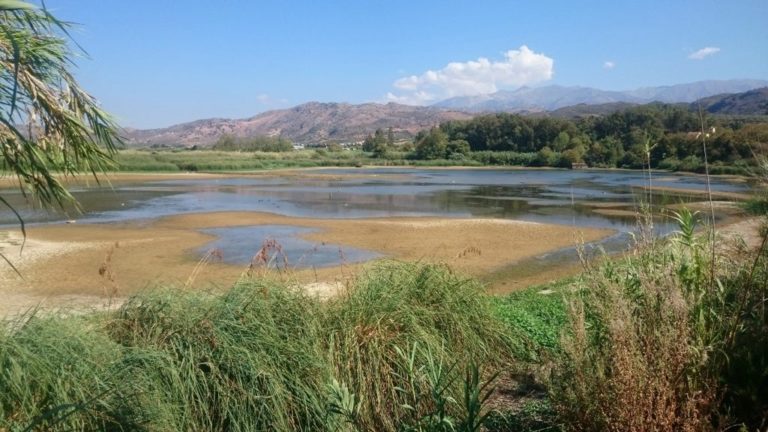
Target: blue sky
<point>156,63</point>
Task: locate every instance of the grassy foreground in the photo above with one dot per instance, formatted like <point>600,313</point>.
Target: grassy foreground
<point>262,356</point>
<point>664,339</point>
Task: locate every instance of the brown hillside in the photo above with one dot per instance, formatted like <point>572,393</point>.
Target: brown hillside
<point>312,122</point>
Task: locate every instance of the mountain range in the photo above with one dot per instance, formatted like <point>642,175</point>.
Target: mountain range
<point>316,122</point>
<point>312,122</point>
<point>552,97</point>
<point>752,102</point>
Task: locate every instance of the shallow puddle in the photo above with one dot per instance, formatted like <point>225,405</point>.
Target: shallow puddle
<point>278,246</point>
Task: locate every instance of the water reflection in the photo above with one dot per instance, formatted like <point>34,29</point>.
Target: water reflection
<point>550,196</point>
<point>515,194</point>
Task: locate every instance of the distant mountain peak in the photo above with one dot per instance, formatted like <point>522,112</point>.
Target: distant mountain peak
<point>752,102</point>
<point>311,122</point>
<point>552,97</point>
<point>320,122</point>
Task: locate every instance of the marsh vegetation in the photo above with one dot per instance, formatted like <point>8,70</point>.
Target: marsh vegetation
<point>670,335</point>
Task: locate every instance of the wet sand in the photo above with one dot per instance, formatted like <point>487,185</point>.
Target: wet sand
<point>91,263</point>
<point>82,265</point>
<point>87,180</point>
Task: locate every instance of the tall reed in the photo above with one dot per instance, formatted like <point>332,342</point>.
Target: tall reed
<point>394,306</point>
<point>651,346</point>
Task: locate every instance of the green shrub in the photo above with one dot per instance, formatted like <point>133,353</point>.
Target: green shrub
<point>247,360</point>
<point>400,350</point>
<point>59,373</point>
<point>394,306</point>
<point>535,318</point>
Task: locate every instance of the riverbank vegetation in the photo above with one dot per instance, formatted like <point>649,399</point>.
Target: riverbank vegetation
<point>658,136</point>
<point>258,143</point>
<point>672,336</point>
<point>262,356</point>
<point>662,136</point>
<point>664,338</point>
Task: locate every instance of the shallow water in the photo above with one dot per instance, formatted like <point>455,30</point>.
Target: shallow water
<point>551,196</point>
<point>241,245</point>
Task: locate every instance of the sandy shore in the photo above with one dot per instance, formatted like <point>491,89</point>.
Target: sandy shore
<point>81,265</point>
<point>90,263</point>
<point>87,180</point>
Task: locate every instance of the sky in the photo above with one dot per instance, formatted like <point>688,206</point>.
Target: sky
<point>161,62</point>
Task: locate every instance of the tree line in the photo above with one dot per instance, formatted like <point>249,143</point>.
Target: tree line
<point>660,135</point>
<point>229,142</point>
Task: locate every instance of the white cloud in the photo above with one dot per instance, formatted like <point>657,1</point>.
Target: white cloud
<point>609,64</point>
<point>519,67</point>
<point>703,53</point>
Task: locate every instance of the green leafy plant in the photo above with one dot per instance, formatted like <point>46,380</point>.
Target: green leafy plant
<point>48,123</point>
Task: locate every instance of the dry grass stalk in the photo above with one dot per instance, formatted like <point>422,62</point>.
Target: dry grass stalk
<point>214,254</point>
<point>106,271</point>
<point>271,255</point>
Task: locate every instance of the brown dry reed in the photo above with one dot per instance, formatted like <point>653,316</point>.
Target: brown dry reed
<point>650,343</point>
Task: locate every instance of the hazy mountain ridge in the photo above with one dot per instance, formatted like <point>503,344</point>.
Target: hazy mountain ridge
<point>316,122</point>
<point>550,98</point>
<point>752,102</point>
<point>583,110</point>
<point>311,122</point>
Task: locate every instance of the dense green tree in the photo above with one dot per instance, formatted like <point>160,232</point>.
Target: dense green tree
<point>369,143</point>
<point>380,146</point>
<point>628,138</point>
<point>432,145</point>
<point>228,142</point>
<point>457,149</point>
<point>561,142</point>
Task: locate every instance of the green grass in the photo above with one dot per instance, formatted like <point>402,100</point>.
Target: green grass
<point>62,373</point>
<point>757,205</point>
<point>405,346</point>
<point>446,314</point>
<point>248,360</point>
<point>185,160</point>
<point>210,160</point>
<point>261,356</point>
<point>536,316</point>
<point>173,160</point>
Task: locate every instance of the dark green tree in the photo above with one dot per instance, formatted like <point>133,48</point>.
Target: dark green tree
<point>369,144</point>
<point>457,149</point>
<point>433,145</point>
<point>380,146</point>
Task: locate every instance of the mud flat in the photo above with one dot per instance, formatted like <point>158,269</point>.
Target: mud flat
<point>91,263</point>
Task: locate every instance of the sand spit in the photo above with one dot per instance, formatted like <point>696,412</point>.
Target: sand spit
<point>91,263</point>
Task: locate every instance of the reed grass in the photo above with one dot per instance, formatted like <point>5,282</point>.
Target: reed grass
<point>651,342</point>
<point>62,374</point>
<point>393,307</point>
<point>261,356</point>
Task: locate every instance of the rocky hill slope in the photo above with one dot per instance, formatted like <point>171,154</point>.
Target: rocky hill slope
<point>309,123</point>
<point>753,102</point>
